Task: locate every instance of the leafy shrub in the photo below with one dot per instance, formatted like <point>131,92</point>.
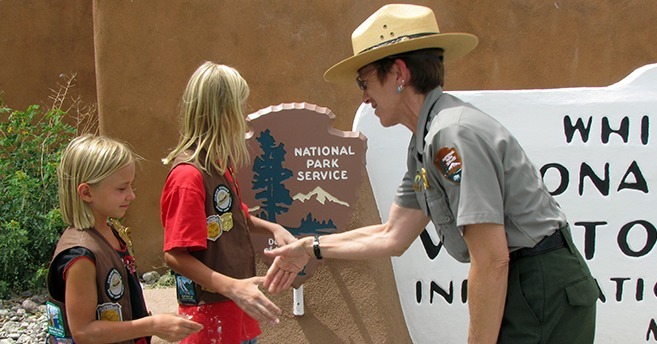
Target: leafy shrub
<point>30,222</point>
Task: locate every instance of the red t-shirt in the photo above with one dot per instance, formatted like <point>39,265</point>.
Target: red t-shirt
<point>182,210</point>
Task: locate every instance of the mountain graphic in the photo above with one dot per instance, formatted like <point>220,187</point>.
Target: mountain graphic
<point>320,195</point>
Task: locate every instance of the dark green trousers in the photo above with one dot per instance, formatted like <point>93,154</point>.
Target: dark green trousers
<point>551,298</point>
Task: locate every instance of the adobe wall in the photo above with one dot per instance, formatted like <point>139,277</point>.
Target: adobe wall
<point>39,41</point>
<point>141,53</point>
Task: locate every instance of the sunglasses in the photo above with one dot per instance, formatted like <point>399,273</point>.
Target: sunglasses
<point>362,83</point>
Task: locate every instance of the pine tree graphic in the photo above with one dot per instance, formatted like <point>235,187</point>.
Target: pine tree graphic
<point>268,177</point>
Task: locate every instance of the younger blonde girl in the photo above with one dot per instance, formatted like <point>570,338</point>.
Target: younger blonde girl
<point>94,291</point>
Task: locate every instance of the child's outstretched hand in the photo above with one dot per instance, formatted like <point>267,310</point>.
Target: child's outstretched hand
<point>174,327</point>
<point>288,262</point>
<point>250,299</point>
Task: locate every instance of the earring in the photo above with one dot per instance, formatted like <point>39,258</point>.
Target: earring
<point>400,88</point>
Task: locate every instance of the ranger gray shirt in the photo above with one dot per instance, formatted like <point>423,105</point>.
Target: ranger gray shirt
<point>464,167</point>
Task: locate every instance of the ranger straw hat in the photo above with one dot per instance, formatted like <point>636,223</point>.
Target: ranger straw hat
<point>395,29</point>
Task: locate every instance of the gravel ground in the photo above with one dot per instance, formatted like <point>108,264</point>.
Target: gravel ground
<point>23,319</point>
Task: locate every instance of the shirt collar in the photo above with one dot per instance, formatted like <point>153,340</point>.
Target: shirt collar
<point>425,116</point>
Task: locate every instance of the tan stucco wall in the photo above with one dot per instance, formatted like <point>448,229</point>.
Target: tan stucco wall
<point>39,41</point>
<point>141,53</point>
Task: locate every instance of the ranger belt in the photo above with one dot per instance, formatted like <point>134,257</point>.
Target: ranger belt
<point>549,243</point>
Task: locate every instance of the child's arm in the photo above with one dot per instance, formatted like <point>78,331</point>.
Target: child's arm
<point>282,236</point>
<point>81,302</point>
<point>244,292</point>
<point>285,271</point>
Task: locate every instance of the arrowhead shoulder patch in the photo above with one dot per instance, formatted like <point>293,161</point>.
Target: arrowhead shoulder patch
<point>449,164</point>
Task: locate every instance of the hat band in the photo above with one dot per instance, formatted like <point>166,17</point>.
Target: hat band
<point>397,40</point>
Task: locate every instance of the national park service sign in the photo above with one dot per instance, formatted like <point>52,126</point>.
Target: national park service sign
<point>304,174</point>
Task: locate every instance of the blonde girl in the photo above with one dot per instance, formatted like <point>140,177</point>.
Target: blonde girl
<point>94,291</point>
<point>206,225</point>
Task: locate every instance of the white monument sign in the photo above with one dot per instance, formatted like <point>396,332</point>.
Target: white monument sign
<point>597,151</point>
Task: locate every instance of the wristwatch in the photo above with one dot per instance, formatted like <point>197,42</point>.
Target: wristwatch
<point>318,252</point>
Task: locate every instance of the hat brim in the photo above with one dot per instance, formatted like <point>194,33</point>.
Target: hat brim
<point>455,45</point>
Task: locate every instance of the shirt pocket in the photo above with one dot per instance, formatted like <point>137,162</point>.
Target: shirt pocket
<point>438,208</point>
<point>445,224</point>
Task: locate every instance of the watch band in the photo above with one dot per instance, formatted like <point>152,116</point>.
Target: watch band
<point>318,252</point>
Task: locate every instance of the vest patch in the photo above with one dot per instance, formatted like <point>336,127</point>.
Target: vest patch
<point>109,311</point>
<point>50,339</point>
<point>55,320</point>
<point>185,291</point>
<point>222,199</point>
<point>114,286</point>
<point>449,164</point>
<point>218,224</point>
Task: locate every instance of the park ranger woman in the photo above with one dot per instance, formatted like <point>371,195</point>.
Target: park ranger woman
<point>467,174</point>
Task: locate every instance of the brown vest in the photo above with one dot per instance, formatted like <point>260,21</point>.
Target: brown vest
<point>111,277</point>
<point>230,251</point>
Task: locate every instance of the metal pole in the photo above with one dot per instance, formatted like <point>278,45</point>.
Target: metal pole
<point>298,301</point>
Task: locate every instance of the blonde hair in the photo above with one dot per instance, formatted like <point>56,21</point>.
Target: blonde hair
<point>87,159</point>
<point>213,121</point>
